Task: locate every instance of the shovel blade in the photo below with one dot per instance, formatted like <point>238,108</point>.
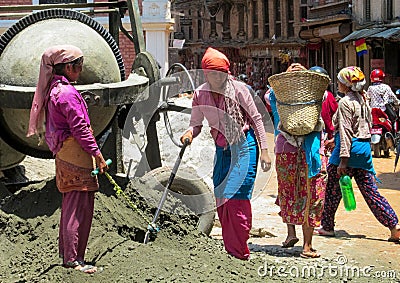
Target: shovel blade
<point>146,237</point>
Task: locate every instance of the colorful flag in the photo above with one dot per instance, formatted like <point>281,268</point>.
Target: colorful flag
<point>361,47</point>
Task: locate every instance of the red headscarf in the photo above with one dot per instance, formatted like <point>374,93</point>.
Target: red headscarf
<point>215,60</point>
<point>51,56</point>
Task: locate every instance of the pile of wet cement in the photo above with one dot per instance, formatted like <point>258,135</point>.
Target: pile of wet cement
<point>29,250</point>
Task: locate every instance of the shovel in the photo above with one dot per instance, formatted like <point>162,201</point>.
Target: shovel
<point>152,228</point>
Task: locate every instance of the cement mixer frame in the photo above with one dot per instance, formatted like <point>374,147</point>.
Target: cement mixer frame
<point>143,84</point>
<point>119,94</point>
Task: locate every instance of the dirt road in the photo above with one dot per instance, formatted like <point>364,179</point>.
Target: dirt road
<point>361,241</point>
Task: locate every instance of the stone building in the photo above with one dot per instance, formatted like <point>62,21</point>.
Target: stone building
<point>261,37</point>
<point>378,22</point>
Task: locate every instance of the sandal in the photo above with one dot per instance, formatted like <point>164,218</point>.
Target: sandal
<point>290,242</point>
<point>322,232</point>
<point>81,266</point>
<point>311,254</point>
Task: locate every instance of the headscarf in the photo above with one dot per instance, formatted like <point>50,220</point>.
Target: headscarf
<point>51,57</point>
<point>234,122</point>
<point>215,60</point>
<point>352,77</point>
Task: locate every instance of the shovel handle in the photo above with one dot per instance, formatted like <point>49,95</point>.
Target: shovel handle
<point>97,170</point>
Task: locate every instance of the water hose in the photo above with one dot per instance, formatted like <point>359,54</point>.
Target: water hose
<point>118,190</point>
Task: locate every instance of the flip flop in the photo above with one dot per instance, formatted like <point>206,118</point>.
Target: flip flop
<point>322,232</point>
<point>290,243</point>
<point>310,254</point>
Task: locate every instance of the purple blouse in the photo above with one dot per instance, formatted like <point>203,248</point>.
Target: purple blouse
<point>67,115</point>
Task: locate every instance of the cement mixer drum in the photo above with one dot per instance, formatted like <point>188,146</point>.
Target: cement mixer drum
<point>21,47</point>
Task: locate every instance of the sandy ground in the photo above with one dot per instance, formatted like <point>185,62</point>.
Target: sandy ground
<point>29,231</point>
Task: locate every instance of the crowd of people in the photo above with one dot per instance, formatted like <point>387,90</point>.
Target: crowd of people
<point>305,196</point>
<point>308,167</point>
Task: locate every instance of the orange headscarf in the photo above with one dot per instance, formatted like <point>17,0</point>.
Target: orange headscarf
<point>51,56</point>
<point>215,60</point>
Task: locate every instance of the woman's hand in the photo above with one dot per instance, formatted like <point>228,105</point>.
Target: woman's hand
<point>295,67</point>
<point>342,168</point>
<point>329,144</point>
<point>187,135</point>
<point>265,160</point>
<point>101,163</point>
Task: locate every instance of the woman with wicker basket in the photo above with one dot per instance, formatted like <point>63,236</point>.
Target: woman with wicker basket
<point>235,123</point>
<point>352,155</point>
<point>301,186</point>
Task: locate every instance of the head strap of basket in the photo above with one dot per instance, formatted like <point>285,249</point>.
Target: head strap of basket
<point>299,98</point>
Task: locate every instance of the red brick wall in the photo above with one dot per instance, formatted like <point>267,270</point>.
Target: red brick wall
<point>128,52</point>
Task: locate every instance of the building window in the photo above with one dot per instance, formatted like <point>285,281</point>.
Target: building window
<point>367,10</point>
<point>290,10</point>
<point>303,10</point>
<point>278,10</point>
<point>389,10</point>
<point>255,19</point>
<point>266,18</point>
<point>199,26</point>
<point>278,30</point>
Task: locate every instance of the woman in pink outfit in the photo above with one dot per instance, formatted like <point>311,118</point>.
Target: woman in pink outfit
<point>240,139</point>
<point>60,107</point>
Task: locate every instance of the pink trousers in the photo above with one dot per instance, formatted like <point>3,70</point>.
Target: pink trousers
<point>235,217</point>
<point>75,223</point>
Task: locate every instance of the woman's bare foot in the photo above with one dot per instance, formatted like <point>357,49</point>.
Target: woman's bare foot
<point>86,268</point>
<point>395,234</point>
<point>81,266</point>
<point>321,232</point>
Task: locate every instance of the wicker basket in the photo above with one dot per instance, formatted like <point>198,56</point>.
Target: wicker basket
<point>299,98</point>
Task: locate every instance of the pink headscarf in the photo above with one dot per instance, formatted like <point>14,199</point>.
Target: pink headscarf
<point>51,56</point>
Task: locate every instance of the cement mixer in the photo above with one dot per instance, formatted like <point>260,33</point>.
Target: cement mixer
<point>108,91</point>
